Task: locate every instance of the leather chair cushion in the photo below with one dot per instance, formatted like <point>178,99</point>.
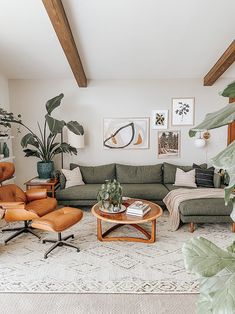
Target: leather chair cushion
<point>59,220</point>
<point>43,206</point>
<point>12,193</point>
<point>7,170</point>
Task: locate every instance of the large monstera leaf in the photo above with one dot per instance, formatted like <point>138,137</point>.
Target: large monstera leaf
<point>205,258</point>
<point>53,103</point>
<point>55,126</point>
<point>75,127</point>
<point>215,119</point>
<point>229,90</point>
<point>65,148</point>
<point>29,139</point>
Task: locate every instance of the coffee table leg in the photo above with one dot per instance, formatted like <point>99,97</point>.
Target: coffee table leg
<point>99,230</point>
<point>153,233</point>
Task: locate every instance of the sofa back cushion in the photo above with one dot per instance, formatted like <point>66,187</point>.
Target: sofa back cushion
<point>169,171</point>
<point>139,174</point>
<point>96,174</point>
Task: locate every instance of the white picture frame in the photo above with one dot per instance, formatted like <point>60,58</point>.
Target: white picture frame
<point>182,112</point>
<point>126,133</point>
<point>159,119</point>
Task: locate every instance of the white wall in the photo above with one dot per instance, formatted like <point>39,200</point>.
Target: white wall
<point>115,99</point>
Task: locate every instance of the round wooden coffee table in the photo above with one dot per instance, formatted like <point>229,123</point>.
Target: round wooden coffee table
<point>124,219</point>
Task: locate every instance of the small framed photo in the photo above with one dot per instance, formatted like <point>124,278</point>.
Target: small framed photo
<point>168,144</point>
<point>183,111</point>
<point>160,119</point>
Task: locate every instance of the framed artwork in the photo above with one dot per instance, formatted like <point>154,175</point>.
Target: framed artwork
<point>160,119</point>
<point>183,111</point>
<point>168,144</point>
<point>126,133</point>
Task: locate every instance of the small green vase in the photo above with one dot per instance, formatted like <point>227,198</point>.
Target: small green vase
<point>5,150</point>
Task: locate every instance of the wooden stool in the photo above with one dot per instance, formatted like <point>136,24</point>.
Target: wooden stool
<point>58,221</point>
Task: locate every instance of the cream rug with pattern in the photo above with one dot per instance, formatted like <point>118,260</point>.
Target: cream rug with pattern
<point>109,267</point>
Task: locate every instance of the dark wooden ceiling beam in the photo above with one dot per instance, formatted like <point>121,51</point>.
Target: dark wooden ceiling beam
<point>57,15</point>
<point>224,62</point>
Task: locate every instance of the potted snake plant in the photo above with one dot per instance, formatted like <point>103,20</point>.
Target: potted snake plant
<point>215,266</point>
<point>45,145</point>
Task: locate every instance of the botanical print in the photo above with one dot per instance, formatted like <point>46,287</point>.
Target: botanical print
<point>160,119</point>
<point>168,144</point>
<point>182,111</point>
<point>126,133</point>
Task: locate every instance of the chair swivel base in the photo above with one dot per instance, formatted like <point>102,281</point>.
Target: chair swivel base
<point>20,230</point>
<point>59,242</point>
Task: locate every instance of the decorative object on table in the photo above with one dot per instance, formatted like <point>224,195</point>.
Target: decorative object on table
<point>126,133</point>
<point>160,119</point>
<point>183,111</point>
<point>168,144</point>
<point>5,150</point>
<point>110,196</point>
<point>44,146</point>
<point>138,208</point>
<point>216,266</point>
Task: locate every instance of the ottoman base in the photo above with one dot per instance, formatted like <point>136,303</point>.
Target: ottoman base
<point>59,242</point>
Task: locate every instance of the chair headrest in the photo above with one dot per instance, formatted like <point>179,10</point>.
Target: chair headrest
<point>7,169</point>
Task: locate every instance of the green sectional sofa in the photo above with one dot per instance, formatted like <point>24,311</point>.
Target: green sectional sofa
<point>151,182</point>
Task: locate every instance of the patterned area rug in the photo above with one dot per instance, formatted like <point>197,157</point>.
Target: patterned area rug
<point>111,267</point>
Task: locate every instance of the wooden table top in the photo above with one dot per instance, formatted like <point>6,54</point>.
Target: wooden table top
<point>123,218</point>
<point>50,182</point>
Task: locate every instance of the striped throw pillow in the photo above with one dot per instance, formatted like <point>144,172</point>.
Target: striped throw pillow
<point>186,179</point>
<point>204,177</point>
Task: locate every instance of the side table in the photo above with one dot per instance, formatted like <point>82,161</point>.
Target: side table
<point>52,185</point>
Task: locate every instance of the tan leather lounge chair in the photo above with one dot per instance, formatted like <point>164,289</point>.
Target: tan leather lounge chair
<point>20,205</point>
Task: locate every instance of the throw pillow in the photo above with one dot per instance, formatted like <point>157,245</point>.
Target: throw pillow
<point>204,177</point>
<point>186,179</point>
<point>73,177</point>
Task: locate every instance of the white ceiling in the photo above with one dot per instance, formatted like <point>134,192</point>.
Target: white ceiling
<point>118,39</point>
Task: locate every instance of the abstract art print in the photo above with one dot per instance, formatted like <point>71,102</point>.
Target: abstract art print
<point>126,133</point>
<point>168,144</point>
<point>183,111</point>
<point>160,119</point>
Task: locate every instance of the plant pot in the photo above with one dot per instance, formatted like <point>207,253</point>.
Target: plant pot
<point>45,169</point>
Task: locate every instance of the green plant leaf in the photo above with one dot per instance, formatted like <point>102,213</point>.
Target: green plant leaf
<point>75,127</point>
<point>229,91</point>
<point>53,103</point>
<point>215,119</point>
<point>205,258</point>
<point>55,126</point>
<point>221,290</point>
<point>231,248</point>
<point>32,153</point>
<point>226,158</point>
<point>28,139</point>
<point>65,148</point>
<point>204,304</point>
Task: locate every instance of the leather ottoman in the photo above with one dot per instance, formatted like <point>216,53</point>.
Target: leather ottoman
<point>59,221</point>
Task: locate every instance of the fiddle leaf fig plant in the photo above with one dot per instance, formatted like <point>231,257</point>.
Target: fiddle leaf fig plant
<point>216,266</point>
<point>44,146</point>
<point>110,194</point>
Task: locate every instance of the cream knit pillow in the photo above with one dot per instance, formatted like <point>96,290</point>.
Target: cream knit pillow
<point>73,177</point>
<point>183,178</point>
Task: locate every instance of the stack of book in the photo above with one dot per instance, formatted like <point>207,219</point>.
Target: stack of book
<point>138,208</point>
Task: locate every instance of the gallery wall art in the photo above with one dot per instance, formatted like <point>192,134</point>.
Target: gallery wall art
<point>183,111</point>
<point>160,119</point>
<point>168,144</point>
<point>126,133</point>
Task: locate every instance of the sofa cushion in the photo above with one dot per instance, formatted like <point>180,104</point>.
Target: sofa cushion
<point>96,174</point>
<point>146,191</point>
<point>169,171</point>
<point>79,192</point>
<point>205,207</point>
<point>139,174</point>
